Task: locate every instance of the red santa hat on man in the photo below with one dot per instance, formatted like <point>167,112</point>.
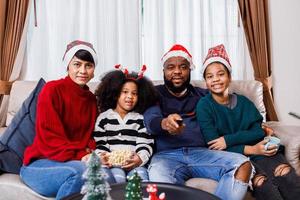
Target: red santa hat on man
<point>75,46</point>
<point>217,54</point>
<point>178,50</point>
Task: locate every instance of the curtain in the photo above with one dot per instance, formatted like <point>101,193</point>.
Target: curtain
<point>133,33</point>
<point>112,26</point>
<point>255,18</point>
<point>198,25</point>
<point>12,22</point>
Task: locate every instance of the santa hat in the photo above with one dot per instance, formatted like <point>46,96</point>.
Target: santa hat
<point>217,54</point>
<point>178,50</point>
<point>75,46</point>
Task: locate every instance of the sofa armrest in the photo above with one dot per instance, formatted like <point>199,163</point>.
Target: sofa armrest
<point>11,187</point>
<point>290,138</point>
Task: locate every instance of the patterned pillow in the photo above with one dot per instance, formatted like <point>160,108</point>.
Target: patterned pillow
<point>19,134</point>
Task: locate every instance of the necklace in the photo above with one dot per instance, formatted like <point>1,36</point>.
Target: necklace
<point>178,94</point>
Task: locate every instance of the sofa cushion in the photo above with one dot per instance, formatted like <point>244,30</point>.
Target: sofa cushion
<point>19,93</point>
<point>251,89</point>
<point>12,188</point>
<point>210,186</point>
<point>19,134</point>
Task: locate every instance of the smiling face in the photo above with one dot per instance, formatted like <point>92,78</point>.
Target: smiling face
<point>217,78</point>
<point>80,71</point>
<point>177,74</point>
<point>128,98</point>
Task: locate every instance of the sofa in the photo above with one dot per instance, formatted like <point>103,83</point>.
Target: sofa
<point>12,188</point>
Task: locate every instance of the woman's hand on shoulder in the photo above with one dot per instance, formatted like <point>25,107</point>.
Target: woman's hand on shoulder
<point>217,144</point>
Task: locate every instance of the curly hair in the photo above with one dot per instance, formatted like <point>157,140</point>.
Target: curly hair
<point>109,89</point>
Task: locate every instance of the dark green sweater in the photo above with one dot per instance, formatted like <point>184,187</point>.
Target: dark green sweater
<point>240,125</point>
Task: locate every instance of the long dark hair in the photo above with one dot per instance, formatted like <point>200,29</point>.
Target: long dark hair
<point>109,89</point>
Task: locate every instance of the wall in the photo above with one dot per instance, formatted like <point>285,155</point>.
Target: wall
<point>285,47</point>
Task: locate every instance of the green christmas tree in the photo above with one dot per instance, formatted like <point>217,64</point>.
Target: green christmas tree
<point>95,186</point>
<point>133,189</point>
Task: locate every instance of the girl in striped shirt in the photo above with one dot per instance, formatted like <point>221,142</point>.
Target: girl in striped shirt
<point>122,141</point>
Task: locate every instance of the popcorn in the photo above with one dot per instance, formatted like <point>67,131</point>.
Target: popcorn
<point>119,157</point>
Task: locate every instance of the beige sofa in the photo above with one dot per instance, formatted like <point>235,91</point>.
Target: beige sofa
<point>12,188</point>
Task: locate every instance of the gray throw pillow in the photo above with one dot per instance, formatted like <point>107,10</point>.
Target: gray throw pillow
<point>19,134</point>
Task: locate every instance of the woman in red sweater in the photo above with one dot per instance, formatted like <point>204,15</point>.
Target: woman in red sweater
<point>66,114</point>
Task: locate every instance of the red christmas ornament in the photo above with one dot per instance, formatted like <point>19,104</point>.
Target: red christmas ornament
<point>122,68</point>
<point>142,71</point>
<point>152,190</point>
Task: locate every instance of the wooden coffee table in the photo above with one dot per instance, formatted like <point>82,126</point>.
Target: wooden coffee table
<point>173,192</point>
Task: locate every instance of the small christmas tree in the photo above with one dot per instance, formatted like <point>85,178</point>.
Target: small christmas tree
<point>95,187</point>
<point>133,189</point>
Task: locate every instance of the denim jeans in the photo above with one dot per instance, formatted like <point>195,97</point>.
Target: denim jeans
<point>54,179</point>
<point>178,165</point>
<point>118,175</point>
<point>285,187</point>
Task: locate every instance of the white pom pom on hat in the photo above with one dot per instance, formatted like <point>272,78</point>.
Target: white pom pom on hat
<point>217,54</point>
<point>178,50</point>
<point>75,46</point>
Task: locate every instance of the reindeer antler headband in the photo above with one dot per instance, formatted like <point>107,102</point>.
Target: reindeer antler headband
<point>125,70</point>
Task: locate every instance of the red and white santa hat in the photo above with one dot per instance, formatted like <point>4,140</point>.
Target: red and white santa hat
<point>178,50</point>
<point>217,54</point>
<point>75,46</point>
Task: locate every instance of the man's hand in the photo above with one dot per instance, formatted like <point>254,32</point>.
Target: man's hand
<point>217,144</point>
<point>133,162</point>
<point>169,124</point>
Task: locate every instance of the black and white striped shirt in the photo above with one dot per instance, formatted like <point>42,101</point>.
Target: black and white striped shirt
<point>114,133</point>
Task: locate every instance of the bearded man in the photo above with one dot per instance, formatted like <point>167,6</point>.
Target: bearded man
<point>181,152</point>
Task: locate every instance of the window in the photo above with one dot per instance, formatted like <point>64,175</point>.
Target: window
<point>132,33</point>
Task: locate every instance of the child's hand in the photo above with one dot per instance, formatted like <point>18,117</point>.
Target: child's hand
<point>133,162</point>
<point>104,156</point>
<point>259,149</point>
<point>217,144</point>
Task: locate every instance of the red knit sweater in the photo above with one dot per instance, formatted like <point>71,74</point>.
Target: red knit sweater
<point>65,119</point>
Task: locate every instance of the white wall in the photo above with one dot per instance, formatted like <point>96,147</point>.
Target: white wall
<point>285,47</point>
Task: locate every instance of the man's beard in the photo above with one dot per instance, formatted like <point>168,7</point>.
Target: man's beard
<point>175,89</point>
